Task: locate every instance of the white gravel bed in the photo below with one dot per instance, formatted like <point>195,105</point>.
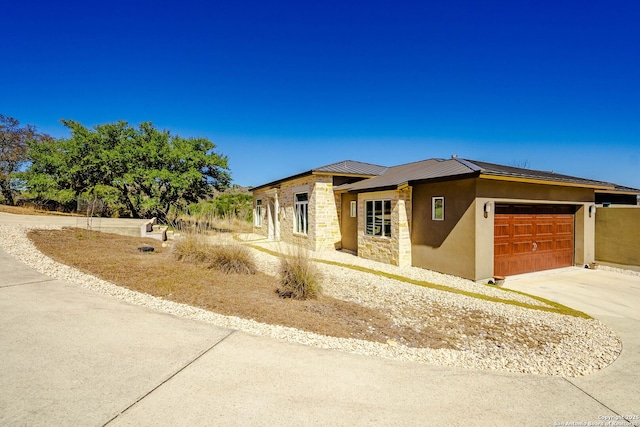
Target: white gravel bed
<point>414,273</point>
<point>575,346</point>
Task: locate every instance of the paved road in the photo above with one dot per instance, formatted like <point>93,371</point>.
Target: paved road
<point>74,357</point>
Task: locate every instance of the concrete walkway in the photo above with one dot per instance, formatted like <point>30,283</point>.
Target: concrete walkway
<point>74,357</point>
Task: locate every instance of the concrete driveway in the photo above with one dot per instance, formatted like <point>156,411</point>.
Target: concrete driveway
<point>614,299</point>
<point>74,357</point>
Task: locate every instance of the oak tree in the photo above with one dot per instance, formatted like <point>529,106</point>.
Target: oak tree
<point>141,171</point>
<point>13,153</point>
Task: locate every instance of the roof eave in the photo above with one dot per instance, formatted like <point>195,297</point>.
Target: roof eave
<point>544,181</point>
<point>277,183</point>
<point>373,189</point>
<point>444,178</point>
<point>354,175</point>
<point>616,191</point>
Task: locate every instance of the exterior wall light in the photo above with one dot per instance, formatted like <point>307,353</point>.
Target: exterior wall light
<point>487,209</point>
<point>592,210</point>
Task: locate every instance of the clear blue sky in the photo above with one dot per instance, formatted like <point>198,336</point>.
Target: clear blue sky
<point>282,87</point>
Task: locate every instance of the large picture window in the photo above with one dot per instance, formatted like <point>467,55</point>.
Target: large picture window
<point>378,218</point>
<point>301,211</point>
<point>437,208</point>
<point>258,217</point>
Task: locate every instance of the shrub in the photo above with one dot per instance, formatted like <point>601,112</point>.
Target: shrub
<point>228,258</point>
<point>232,258</point>
<point>189,248</point>
<point>299,278</point>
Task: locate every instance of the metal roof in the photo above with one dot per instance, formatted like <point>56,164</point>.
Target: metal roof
<point>416,171</point>
<point>382,178</point>
<point>343,168</point>
<point>438,169</point>
<point>510,171</point>
<point>352,167</point>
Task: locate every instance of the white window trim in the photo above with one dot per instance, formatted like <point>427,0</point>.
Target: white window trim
<point>433,208</point>
<point>366,216</point>
<point>353,206</point>
<point>295,214</point>
<point>257,216</point>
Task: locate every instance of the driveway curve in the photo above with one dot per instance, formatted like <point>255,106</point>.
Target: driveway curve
<point>71,356</point>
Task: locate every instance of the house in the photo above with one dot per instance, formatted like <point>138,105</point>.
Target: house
<point>467,218</point>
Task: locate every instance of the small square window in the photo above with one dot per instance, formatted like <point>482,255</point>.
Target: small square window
<point>354,208</point>
<point>437,208</point>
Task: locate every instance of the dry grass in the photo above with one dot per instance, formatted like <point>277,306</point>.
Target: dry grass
<point>204,223</point>
<point>228,258</point>
<point>299,277</point>
<point>115,258</point>
<point>23,210</point>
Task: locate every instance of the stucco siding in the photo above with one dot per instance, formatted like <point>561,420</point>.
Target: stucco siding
<point>349,224</point>
<point>446,246</point>
<point>618,235</point>
<point>496,189</point>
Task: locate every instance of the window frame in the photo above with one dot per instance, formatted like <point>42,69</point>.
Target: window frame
<point>383,206</point>
<point>353,208</point>
<point>434,201</point>
<point>301,208</point>
<point>257,220</point>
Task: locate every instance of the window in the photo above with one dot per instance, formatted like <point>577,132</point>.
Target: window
<point>378,218</point>
<point>354,208</point>
<point>437,208</point>
<point>258,218</point>
<point>300,207</point>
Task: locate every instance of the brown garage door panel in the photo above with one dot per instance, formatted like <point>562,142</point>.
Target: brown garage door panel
<point>530,241</point>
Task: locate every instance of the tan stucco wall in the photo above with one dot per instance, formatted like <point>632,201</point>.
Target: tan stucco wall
<point>484,239</point>
<point>463,244</point>
<point>446,246</point>
<point>618,235</point>
<point>349,225</point>
<point>498,189</point>
<point>585,232</point>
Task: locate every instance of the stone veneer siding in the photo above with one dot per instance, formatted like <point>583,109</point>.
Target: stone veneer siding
<point>402,239</point>
<point>323,227</point>
<point>395,250</point>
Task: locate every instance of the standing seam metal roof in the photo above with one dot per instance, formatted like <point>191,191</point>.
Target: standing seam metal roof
<point>422,170</point>
<point>352,168</point>
<point>391,177</point>
<point>449,168</point>
<point>345,167</point>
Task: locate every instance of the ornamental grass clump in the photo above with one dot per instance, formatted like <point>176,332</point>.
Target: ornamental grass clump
<point>299,278</point>
<point>231,258</point>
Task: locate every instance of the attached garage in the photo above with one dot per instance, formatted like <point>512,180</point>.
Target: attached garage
<point>530,238</point>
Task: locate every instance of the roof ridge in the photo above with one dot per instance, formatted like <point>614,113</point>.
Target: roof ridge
<point>351,161</point>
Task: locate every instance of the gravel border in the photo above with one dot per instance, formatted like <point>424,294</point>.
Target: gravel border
<point>583,346</point>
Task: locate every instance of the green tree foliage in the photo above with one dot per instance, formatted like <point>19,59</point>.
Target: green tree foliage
<point>13,153</point>
<point>238,205</point>
<point>142,171</point>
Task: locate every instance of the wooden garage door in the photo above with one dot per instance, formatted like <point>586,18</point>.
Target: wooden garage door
<point>532,238</point>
